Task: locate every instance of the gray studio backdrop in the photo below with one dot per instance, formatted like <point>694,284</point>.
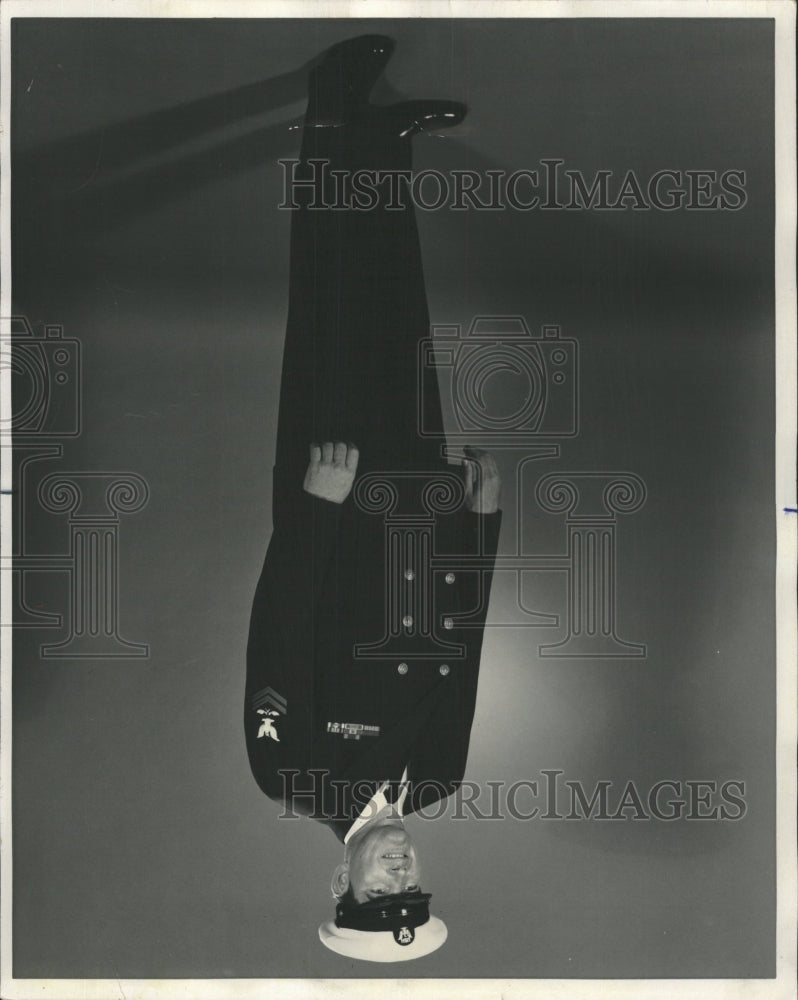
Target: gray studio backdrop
<point>145,222</point>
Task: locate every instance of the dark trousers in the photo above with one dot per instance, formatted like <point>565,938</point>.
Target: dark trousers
<point>357,310</point>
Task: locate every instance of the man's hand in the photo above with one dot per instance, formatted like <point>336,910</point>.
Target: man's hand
<point>482,481</point>
<point>331,470</point>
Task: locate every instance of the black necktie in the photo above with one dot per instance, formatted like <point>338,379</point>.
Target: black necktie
<point>393,790</point>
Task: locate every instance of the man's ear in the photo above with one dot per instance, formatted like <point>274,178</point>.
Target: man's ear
<point>340,880</point>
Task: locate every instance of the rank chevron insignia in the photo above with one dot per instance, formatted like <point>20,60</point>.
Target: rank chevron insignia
<point>269,698</point>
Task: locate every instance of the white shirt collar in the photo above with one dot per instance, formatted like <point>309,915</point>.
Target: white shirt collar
<point>377,802</point>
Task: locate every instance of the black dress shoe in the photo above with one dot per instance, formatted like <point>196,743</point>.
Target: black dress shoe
<point>340,84</point>
<point>410,117</point>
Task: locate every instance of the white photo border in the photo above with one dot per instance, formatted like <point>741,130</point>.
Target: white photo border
<point>784,985</point>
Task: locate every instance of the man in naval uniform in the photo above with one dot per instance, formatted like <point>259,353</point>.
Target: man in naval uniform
<point>366,630</point>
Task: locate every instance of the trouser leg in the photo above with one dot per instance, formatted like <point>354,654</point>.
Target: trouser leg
<point>357,311</point>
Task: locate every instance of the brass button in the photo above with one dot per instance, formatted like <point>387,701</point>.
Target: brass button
<point>444,669</point>
<point>409,574</point>
<point>402,668</point>
<point>407,621</point>
<point>448,623</point>
<point>450,578</point>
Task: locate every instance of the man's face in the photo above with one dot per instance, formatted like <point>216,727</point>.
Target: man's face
<point>382,861</point>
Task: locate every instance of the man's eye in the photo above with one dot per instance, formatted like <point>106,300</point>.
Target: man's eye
<point>378,892</point>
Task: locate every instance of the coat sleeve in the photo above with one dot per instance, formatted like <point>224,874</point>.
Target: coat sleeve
<point>282,637</point>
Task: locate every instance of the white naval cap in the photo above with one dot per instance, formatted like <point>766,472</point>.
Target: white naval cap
<point>396,929</point>
<point>381,946</point>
